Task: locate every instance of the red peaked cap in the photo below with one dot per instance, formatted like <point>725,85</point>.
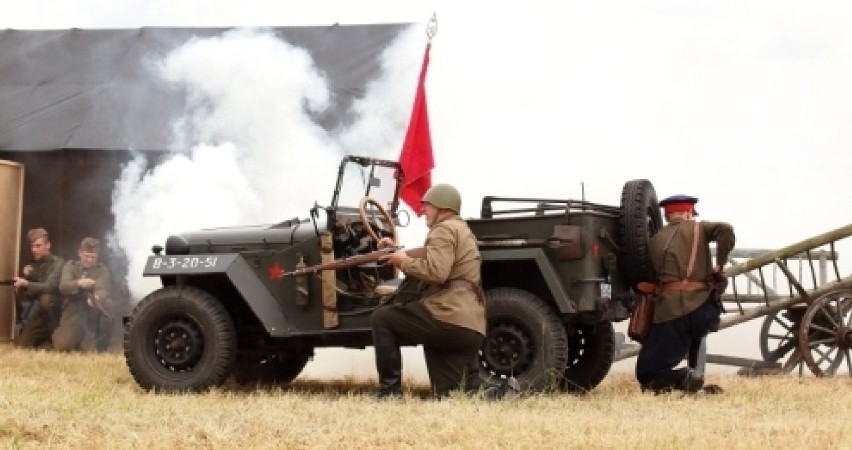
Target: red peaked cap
<point>679,203</point>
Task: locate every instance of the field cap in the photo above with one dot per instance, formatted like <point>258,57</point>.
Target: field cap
<point>679,203</point>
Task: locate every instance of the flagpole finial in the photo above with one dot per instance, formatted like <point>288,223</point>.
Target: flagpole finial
<point>432,27</point>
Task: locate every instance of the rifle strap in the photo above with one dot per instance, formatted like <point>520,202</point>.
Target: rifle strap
<point>695,230</point>
<point>650,289</point>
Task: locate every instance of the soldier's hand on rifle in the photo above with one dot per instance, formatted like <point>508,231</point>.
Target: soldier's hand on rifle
<point>91,300</point>
<point>395,259</point>
<point>386,242</point>
<point>20,282</point>
<point>85,283</point>
<point>27,270</point>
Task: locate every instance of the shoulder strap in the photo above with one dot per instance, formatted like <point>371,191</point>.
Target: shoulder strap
<point>694,251</point>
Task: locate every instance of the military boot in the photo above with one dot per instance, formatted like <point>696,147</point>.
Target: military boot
<point>682,379</point>
<point>692,381</point>
<point>389,367</point>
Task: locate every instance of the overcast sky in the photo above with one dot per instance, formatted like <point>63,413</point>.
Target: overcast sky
<point>746,105</point>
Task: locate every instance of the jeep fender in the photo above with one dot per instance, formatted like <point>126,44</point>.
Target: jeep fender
<point>239,273</point>
<point>545,268</point>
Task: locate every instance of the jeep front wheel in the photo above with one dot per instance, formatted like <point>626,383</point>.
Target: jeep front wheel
<point>180,339</point>
<point>525,340</point>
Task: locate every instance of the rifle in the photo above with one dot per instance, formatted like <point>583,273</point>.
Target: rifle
<point>354,261</point>
<point>93,299</point>
<point>9,282</point>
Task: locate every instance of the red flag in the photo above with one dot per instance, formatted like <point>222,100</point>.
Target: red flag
<point>415,160</point>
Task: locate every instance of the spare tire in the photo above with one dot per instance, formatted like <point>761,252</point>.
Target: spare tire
<point>640,219</point>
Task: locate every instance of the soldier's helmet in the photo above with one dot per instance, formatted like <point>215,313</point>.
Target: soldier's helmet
<point>443,196</point>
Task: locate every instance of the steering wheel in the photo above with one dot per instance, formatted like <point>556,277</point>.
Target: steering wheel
<point>362,211</point>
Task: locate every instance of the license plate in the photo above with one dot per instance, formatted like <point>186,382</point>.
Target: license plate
<point>165,264</point>
<point>606,290</point>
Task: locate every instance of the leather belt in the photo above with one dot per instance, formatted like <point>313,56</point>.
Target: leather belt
<point>684,285</point>
<point>465,284</point>
<point>672,286</point>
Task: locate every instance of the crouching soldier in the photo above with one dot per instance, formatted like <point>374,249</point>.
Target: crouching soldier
<point>86,323</point>
<point>39,305</point>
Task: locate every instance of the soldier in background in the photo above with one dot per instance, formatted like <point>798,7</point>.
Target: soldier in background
<point>38,305</point>
<point>86,322</point>
<point>685,311</point>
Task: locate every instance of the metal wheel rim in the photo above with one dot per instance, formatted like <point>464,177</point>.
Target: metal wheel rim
<point>578,346</point>
<point>178,344</point>
<point>508,350</point>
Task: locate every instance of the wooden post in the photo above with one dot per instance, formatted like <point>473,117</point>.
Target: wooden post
<point>330,319</point>
<point>11,209</point>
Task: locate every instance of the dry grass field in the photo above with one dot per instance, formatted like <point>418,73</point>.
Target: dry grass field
<point>76,401</point>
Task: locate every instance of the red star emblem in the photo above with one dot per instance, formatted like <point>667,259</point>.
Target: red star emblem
<point>275,271</point>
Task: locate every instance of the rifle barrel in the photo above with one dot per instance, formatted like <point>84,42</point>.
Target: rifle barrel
<point>343,263</point>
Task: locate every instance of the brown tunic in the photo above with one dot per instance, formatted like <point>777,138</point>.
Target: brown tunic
<point>451,254</point>
<point>82,325</point>
<point>670,264</point>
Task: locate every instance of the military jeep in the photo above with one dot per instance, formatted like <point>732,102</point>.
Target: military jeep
<point>556,275</point>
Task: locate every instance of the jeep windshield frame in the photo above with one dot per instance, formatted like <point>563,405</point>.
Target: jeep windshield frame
<point>375,175</point>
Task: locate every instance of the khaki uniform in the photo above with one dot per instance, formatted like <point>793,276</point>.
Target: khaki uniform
<point>452,254</point>
<point>449,321</point>
<point>670,249</point>
<point>83,327</point>
<point>43,293</point>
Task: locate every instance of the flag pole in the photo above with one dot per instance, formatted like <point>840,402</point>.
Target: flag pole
<point>415,160</point>
<point>431,28</point>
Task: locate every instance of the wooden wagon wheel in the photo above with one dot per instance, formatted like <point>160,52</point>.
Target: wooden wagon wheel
<point>779,338</point>
<point>825,334</point>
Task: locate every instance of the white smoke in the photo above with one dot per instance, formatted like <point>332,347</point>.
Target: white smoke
<point>247,150</point>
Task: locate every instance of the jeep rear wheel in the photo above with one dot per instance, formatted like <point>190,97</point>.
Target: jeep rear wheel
<point>591,352</point>
<point>180,339</point>
<point>640,219</point>
<point>525,340</point>
<point>282,367</point>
